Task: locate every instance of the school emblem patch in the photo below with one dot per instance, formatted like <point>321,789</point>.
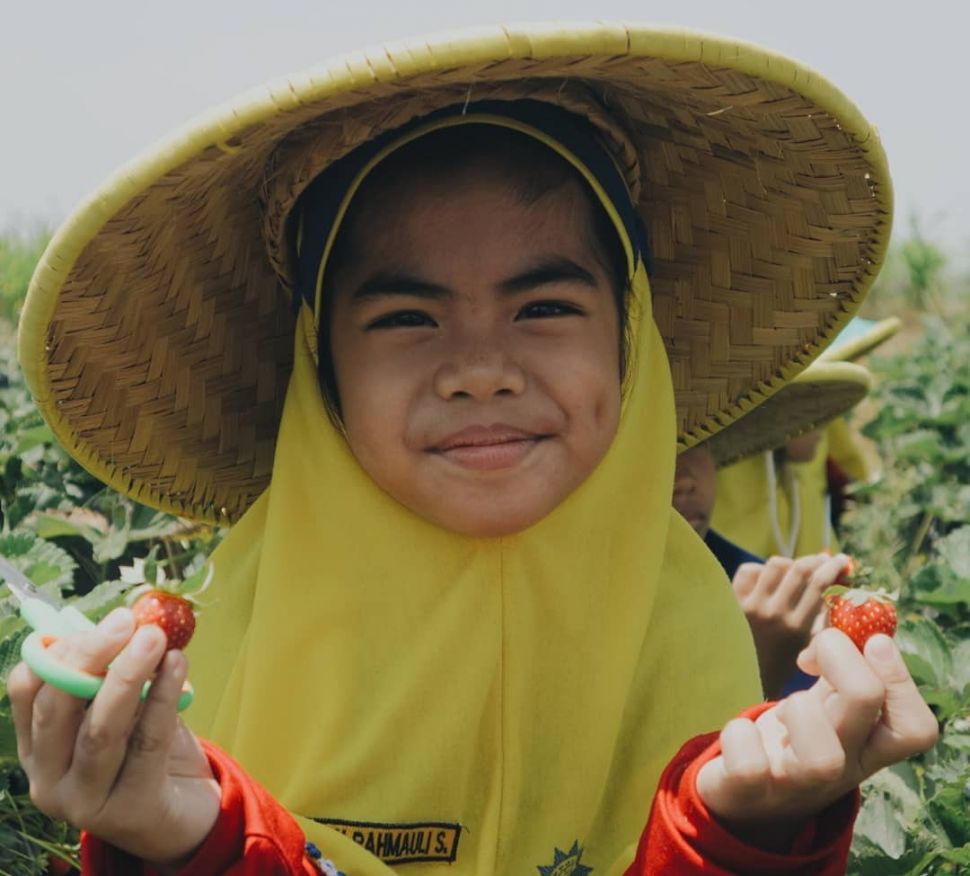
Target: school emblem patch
<point>566,863</point>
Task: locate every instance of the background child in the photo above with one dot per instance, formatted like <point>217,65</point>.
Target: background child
<point>441,634</point>
<point>780,596</point>
<point>790,503</point>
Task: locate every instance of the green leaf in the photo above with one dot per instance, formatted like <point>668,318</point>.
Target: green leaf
<point>42,561</point>
<point>10,650</point>
<point>879,824</point>
<point>960,677</point>
<point>104,597</point>
<point>925,650</point>
<point>921,444</point>
<point>955,550</point>
<point>8,737</point>
<point>32,438</point>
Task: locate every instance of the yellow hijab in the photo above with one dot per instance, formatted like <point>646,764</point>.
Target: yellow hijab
<point>414,695</point>
<point>796,522</point>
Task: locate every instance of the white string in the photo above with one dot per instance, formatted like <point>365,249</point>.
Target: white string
<point>786,547</point>
<point>827,531</point>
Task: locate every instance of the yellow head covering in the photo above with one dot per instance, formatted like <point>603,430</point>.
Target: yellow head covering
<point>416,695</point>
<point>846,448</point>
<point>776,513</point>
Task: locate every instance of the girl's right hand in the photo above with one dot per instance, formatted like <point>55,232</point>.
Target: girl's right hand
<point>130,773</point>
<point>805,752</point>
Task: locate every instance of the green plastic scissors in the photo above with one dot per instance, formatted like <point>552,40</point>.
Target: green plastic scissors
<point>49,622</point>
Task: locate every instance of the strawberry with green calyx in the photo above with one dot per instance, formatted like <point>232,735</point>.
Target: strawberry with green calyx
<point>860,613</point>
<point>170,606</point>
<point>173,614</point>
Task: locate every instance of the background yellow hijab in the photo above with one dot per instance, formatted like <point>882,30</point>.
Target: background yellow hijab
<point>382,674</point>
<point>742,508</point>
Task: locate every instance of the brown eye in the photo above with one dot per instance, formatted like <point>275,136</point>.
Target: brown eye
<point>402,319</point>
<point>547,309</point>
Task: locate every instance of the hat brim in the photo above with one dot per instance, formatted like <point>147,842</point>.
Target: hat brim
<point>863,343</point>
<point>156,337</point>
<point>822,392</point>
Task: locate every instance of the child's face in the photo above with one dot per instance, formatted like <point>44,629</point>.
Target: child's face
<point>475,343</point>
<point>695,487</point>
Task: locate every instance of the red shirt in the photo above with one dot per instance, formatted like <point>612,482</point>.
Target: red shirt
<point>255,836</point>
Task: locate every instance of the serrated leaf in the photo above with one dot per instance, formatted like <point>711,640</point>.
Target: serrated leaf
<point>878,823</point>
<point>111,546</point>
<point>925,650</point>
<point>102,599</point>
<point>955,551</point>
<point>79,523</point>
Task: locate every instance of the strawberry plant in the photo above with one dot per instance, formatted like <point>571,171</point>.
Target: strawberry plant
<point>78,542</point>
<point>911,528</point>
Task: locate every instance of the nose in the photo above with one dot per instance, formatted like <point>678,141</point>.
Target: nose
<point>479,369</point>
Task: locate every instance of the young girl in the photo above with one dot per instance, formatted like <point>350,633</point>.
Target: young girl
<point>462,626</point>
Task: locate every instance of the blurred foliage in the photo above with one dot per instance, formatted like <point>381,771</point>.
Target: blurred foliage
<point>18,255</point>
<point>82,543</point>
<point>917,277</point>
<point>911,528</point>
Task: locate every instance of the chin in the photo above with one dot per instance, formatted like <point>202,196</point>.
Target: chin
<point>495,522</point>
<point>489,526</point>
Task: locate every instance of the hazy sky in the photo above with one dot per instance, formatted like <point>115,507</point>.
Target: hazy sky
<point>86,85</point>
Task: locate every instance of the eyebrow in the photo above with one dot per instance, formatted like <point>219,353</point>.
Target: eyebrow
<point>544,273</point>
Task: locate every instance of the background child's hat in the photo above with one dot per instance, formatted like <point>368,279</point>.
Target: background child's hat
<point>822,392</point>
<point>859,337</point>
<point>157,338</point>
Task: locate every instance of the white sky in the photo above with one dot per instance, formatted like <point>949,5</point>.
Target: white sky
<point>86,85</point>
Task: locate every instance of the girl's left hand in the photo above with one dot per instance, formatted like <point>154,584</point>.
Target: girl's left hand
<point>802,755</point>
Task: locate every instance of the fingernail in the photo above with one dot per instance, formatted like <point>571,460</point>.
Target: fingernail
<point>145,641</point>
<point>881,648</point>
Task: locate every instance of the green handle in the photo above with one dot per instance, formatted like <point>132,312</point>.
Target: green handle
<point>73,681</point>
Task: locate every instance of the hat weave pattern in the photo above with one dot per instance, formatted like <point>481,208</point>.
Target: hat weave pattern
<point>157,335</point>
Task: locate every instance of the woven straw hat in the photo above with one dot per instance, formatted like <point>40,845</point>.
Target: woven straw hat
<point>822,392</point>
<point>157,332</point>
<point>860,337</point>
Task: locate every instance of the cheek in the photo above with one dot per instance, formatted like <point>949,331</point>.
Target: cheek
<point>371,395</point>
<point>586,381</point>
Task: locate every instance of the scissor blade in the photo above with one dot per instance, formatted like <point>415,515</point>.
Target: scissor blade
<point>20,585</point>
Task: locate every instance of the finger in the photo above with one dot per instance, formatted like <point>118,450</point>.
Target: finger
<point>745,579</point>
<point>796,581</point>
<point>146,759</point>
<point>22,688</point>
<point>814,754</point>
<point>772,574</point>
<point>858,693</point>
<point>827,573</point>
<point>103,736</point>
<point>739,774</point>
<point>907,725</point>
<point>57,715</point>
<point>746,764</point>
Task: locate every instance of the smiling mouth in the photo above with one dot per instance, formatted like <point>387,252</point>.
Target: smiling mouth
<point>488,448</point>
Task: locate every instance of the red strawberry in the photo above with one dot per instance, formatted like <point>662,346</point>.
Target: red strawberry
<point>170,612</point>
<point>860,613</point>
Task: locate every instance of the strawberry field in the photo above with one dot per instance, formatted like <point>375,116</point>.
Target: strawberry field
<point>909,529</point>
